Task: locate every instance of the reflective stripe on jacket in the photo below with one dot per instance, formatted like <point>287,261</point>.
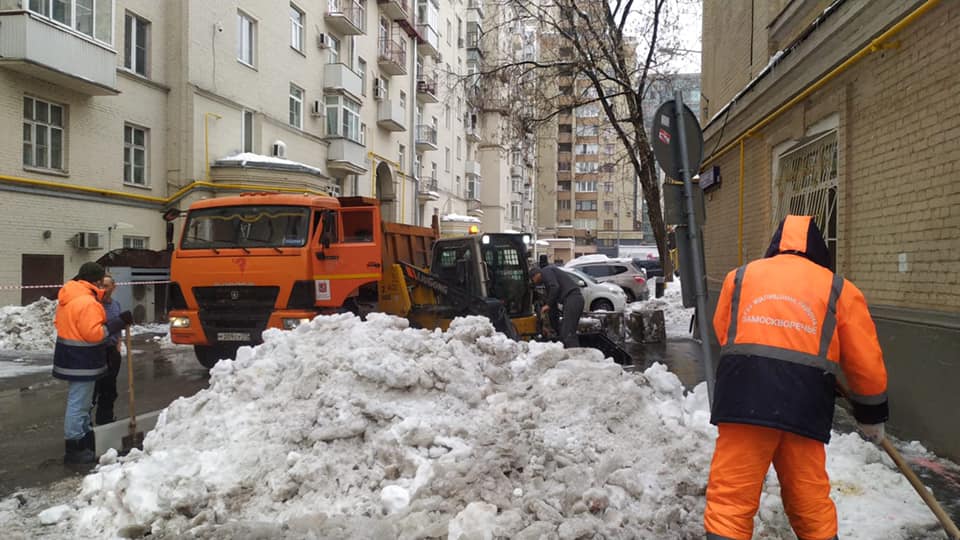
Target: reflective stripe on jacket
<point>80,351</point>
<point>787,326</point>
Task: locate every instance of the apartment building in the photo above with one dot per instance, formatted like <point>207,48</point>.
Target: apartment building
<point>846,111</point>
<point>585,188</point>
<point>119,109</point>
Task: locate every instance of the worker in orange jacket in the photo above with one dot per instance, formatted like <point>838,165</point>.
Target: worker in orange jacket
<point>787,326</point>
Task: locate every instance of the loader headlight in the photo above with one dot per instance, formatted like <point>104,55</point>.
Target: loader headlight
<point>179,322</point>
<point>290,324</point>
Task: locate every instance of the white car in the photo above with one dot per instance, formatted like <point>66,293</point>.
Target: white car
<point>598,296</point>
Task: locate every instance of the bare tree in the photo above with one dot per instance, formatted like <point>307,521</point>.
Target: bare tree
<point>616,45</point>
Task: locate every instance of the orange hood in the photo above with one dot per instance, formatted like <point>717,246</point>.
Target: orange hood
<point>799,235</point>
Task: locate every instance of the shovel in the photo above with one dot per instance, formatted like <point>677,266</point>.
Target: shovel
<point>135,438</point>
<point>948,525</point>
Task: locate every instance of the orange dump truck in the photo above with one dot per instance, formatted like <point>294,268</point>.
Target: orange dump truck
<point>254,261</point>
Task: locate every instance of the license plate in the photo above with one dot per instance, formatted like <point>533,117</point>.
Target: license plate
<point>233,336</point>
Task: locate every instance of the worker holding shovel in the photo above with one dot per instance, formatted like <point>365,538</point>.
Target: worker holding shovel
<point>788,326</point>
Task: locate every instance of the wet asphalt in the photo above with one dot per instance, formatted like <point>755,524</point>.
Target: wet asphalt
<point>32,406</point>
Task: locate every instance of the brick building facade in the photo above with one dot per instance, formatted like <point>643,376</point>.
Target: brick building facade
<point>847,110</point>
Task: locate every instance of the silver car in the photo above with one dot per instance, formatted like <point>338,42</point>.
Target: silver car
<point>599,296</point>
<point>620,272</point>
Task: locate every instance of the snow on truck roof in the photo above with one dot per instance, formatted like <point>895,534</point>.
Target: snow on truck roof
<point>267,198</point>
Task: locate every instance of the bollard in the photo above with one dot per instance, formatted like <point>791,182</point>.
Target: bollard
<point>659,286</point>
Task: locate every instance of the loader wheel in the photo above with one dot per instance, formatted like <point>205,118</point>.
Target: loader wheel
<point>209,355</point>
<point>601,305</point>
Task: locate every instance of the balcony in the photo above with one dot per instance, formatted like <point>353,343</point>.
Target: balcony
<point>57,54</point>
<point>429,44</point>
<point>392,57</point>
<point>426,138</point>
<point>347,17</point>
<point>473,188</point>
<point>472,168</point>
<point>340,78</point>
<point>429,190</point>
<point>427,89</point>
<point>473,134</point>
<point>394,9</point>
<point>474,50</point>
<point>346,156</point>
<point>391,116</point>
<point>476,7</point>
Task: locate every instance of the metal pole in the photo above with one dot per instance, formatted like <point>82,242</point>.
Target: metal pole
<point>694,232</point>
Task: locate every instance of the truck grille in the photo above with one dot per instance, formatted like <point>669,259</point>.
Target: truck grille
<point>235,309</point>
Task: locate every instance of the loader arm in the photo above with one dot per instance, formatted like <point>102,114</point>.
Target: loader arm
<point>460,301</point>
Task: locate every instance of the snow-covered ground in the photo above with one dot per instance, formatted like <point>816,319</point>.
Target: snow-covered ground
<point>675,316</point>
<point>30,327</point>
<point>350,429</point>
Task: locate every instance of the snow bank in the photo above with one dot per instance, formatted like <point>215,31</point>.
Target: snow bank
<point>350,429</point>
<point>28,328</point>
<point>675,316</point>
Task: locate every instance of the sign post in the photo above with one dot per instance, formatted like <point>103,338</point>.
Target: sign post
<point>678,146</point>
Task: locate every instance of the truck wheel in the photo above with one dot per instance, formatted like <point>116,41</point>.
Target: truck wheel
<point>209,355</point>
<point>601,305</point>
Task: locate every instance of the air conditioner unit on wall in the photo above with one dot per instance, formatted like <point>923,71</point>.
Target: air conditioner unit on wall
<point>317,108</point>
<point>278,149</point>
<point>379,92</point>
<point>323,41</point>
<point>87,240</point>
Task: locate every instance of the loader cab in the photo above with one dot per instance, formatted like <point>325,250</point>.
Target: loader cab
<point>458,262</point>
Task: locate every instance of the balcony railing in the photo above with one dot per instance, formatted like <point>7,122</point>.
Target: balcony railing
<point>392,56</point>
<point>426,138</point>
<point>347,17</point>
<point>473,41</point>
<point>427,88</point>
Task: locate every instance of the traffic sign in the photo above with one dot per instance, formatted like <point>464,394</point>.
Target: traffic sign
<point>665,140</point>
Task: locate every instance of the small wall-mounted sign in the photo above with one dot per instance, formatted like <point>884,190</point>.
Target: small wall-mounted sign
<point>710,178</point>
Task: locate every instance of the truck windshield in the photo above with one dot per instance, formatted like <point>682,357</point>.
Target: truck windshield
<point>246,227</point>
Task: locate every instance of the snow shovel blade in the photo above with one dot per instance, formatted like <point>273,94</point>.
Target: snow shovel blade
<point>115,434</point>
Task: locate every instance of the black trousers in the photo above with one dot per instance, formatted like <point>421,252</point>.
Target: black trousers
<point>567,326</point>
<point>105,390</point>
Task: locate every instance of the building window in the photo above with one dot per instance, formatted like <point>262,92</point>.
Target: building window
<point>246,131</point>
<point>608,206</point>
<point>609,149</point>
<point>134,155</point>
<point>136,242</point>
<point>296,106</point>
<point>433,171</point>
<point>362,68</point>
<point>402,156</point>
<point>446,159</point>
<point>563,166</point>
<point>343,118</point>
<point>608,224</point>
<point>246,39</point>
<point>563,204</point>
<point>587,130</point>
<point>43,134</point>
<point>446,116</point>
<point>608,187</point>
<point>806,185</point>
<point>403,100</point>
<point>588,149</point>
<point>334,50</point>
<point>586,167</point>
<point>296,28</point>
<point>449,33</point>
<point>515,211</point>
<point>588,111</point>
<point>586,187</point>
<point>459,148</point>
<point>93,18</point>
<point>586,206</point>
<point>135,34</point>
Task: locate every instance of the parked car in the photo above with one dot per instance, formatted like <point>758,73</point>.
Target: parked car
<point>599,296</point>
<point>620,272</point>
<point>651,266</point>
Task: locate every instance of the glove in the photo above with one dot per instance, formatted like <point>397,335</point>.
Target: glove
<point>872,432</point>
<point>117,324</point>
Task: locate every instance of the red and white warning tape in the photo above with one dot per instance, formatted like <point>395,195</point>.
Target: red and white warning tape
<point>119,284</point>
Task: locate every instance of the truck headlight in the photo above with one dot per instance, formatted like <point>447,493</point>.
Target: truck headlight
<point>179,322</point>
<point>290,324</point>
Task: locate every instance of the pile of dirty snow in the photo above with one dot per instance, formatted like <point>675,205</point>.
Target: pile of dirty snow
<point>28,328</point>
<point>675,316</point>
<point>350,429</point>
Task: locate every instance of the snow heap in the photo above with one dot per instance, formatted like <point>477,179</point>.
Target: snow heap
<point>350,429</point>
<point>28,328</point>
<point>676,317</point>
<point>459,218</point>
<point>249,158</point>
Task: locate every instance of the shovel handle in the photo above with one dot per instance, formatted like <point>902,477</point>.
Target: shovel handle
<point>948,525</point>
<point>129,342</point>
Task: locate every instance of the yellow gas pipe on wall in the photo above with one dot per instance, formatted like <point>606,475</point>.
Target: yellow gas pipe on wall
<point>874,46</point>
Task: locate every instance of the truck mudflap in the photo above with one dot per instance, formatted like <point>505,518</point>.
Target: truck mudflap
<point>603,343</point>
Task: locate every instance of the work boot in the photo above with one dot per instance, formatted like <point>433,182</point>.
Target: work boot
<point>76,454</point>
<point>105,417</point>
<point>89,441</point>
